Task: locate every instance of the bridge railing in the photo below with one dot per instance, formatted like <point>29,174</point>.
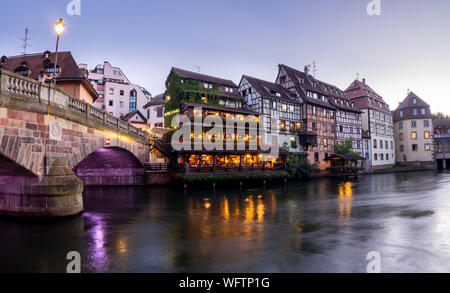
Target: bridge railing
<point>44,93</point>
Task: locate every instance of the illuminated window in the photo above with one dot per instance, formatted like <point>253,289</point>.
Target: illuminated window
<point>427,135</point>
<point>427,147</point>
<point>414,135</point>
<point>283,125</point>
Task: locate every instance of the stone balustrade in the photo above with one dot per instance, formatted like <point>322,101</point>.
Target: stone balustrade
<point>24,93</point>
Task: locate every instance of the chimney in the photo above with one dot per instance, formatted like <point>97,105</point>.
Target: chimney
<point>364,81</point>
<point>306,69</point>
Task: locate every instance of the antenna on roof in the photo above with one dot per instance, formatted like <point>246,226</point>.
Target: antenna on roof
<point>198,68</point>
<point>314,71</point>
<point>25,41</point>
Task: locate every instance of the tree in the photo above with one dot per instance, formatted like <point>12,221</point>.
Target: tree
<point>346,148</point>
<point>440,116</point>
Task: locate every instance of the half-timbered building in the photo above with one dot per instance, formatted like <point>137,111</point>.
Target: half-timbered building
<point>317,135</point>
<point>279,109</point>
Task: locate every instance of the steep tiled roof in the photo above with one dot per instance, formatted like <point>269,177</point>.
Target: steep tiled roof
<point>309,84</point>
<point>212,80</point>
<point>130,115</point>
<point>360,93</point>
<point>265,89</point>
<point>206,78</point>
<point>156,101</point>
<point>408,106</point>
<point>68,65</point>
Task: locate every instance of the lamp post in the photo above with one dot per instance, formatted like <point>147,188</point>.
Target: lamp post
<point>59,28</point>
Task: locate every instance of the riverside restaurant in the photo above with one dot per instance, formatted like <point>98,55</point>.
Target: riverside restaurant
<point>226,160</point>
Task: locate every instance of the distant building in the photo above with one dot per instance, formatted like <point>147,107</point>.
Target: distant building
<point>413,124</point>
<point>117,95</point>
<point>442,142</point>
<point>377,122</point>
<point>137,119</point>
<point>155,111</point>
<point>281,110</point>
<point>41,67</point>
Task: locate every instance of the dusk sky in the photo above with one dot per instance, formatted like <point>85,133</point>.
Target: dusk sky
<point>407,47</point>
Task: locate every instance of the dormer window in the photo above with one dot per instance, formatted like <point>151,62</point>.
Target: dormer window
<point>414,101</point>
<point>401,113</point>
<point>228,89</point>
<point>22,69</point>
<point>423,111</point>
<point>207,85</point>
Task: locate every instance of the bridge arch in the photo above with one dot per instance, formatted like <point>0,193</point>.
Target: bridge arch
<point>111,166</point>
<point>14,176</point>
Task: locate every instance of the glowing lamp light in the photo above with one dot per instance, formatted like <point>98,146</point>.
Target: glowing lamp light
<point>59,27</point>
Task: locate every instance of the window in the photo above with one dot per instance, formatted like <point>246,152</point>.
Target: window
<point>387,145</point>
<point>413,124</point>
<point>387,157</point>
<point>426,123</point>
<point>133,98</point>
<point>392,145</point>
<point>426,135</point>
<point>316,157</point>
<point>122,104</point>
<point>111,91</point>
<point>414,135</point>
<point>423,111</point>
<point>283,79</point>
<point>402,148</point>
<point>415,112</point>
<point>400,125</point>
<point>382,157</point>
<point>427,147</point>
<point>325,142</point>
<point>415,147</point>
<point>401,113</point>
<point>314,126</point>
<point>375,156</point>
<point>381,144</point>
<point>111,103</point>
<point>159,112</point>
<point>314,110</point>
<point>375,143</point>
<point>122,92</point>
<point>414,101</point>
<point>400,136</point>
<point>283,125</point>
<point>367,144</point>
<point>325,129</point>
<point>207,86</point>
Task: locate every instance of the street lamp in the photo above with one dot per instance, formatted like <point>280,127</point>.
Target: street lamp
<point>59,28</point>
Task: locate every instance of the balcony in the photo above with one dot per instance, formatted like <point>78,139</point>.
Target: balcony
<point>307,138</point>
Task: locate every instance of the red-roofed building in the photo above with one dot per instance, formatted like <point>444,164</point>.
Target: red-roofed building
<point>40,67</point>
<point>377,122</point>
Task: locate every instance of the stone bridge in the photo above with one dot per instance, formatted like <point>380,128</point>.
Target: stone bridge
<point>50,140</point>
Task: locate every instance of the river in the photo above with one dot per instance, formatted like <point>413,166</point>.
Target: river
<point>323,225</point>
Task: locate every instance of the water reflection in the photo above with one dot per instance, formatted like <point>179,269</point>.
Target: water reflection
<point>345,201</point>
<point>315,226</point>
